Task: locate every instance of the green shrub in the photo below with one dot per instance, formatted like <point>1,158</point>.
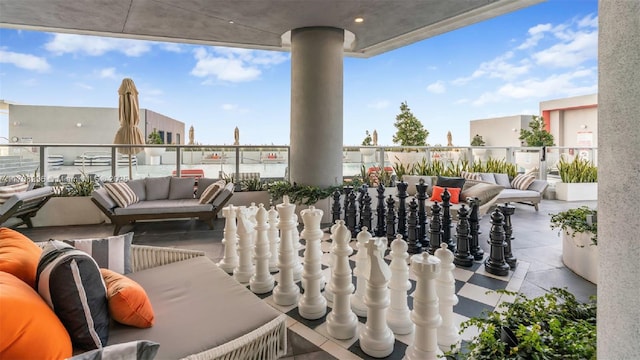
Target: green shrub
<point>299,194</point>
<point>576,221</point>
<point>577,171</point>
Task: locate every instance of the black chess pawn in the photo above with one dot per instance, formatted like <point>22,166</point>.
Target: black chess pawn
<point>336,208</point>
<point>446,220</point>
<point>350,217</point>
<point>496,264</point>
<point>463,256</point>
<point>391,219</point>
<point>474,229</point>
<point>415,246</point>
<point>402,208</point>
<point>381,228</point>
<point>435,228</point>
<point>421,190</point>
<point>366,215</point>
<point>508,210</point>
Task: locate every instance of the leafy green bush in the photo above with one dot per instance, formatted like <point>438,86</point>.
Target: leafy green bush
<point>477,140</point>
<point>78,186</point>
<point>575,220</point>
<point>577,171</point>
<point>299,194</point>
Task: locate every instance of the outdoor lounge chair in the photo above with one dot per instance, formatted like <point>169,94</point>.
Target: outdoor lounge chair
<point>23,206</point>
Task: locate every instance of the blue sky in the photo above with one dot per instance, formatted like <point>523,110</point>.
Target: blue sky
<point>500,67</point>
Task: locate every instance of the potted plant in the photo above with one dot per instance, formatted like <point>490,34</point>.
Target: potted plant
<point>368,151</point>
<point>478,141</point>
<point>535,136</point>
<point>410,132</point>
<point>579,230</point>
<point>579,180</point>
<point>154,138</point>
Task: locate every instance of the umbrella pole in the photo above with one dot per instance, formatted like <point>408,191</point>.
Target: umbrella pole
<point>130,176</point>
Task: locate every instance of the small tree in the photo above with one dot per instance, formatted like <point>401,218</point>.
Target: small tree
<point>154,138</point>
<point>537,136</point>
<point>368,141</point>
<point>410,132</point>
<point>477,140</point>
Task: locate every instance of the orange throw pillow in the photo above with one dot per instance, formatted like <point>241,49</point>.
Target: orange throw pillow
<point>436,195</point>
<point>19,255</point>
<point>29,329</point>
<point>128,302</point>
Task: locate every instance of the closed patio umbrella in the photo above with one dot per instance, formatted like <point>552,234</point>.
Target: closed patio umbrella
<point>129,114</point>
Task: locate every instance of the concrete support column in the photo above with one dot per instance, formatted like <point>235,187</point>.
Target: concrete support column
<point>316,105</point>
<point>618,174</point>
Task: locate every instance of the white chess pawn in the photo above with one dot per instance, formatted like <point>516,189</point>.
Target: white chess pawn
<point>398,314</point>
<point>262,281</point>
<point>286,292</point>
<point>425,314</point>
<point>448,336</point>
<point>342,322</point>
<point>295,239</point>
<point>243,272</point>
<point>377,339</point>
<point>357,299</point>
<point>230,259</point>
<point>312,305</point>
<point>274,239</point>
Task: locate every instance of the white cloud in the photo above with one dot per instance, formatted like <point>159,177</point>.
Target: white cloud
<point>499,68</point>
<point>380,104</point>
<point>436,87</point>
<point>95,46</point>
<point>234,65</point>
<point>108,73</point>
<point>24,61</point>
<point>536,33</point>
<point>172,47</point>
<point>229,107</point>
<point>578,48</point>
<point>590,20</point>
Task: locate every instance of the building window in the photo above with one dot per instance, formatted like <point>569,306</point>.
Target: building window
<point>178,139</point>
<point>169,138</point>
<point>162,136</point>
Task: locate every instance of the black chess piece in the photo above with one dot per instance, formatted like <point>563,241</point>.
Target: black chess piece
<point>446,220</point>
<point>336,208</point>
<point>474,229</point>
<point>381,229</point>
<point>347,190</point>
<point>415,246</point>
<point>366,215</point>
<point>402,208</point>
<point>463,256</point>
<point>421,189</point>
<point>508,210</point>
<point>391,219</point>
<point>361,191</point>
<point>496,264</point>
<point>435,228</point>
<point>350,217</point>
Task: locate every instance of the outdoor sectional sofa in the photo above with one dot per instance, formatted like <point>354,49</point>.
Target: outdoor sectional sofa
<point>163,198</point>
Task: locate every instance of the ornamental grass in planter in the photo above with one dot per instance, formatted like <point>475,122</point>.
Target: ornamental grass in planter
<point>579,180</point>
<point>579,230</point>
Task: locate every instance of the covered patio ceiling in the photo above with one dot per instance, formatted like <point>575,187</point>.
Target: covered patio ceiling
<point>256,24</point>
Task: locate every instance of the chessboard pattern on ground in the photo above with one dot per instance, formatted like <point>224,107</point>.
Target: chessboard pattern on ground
<point>474,289</point>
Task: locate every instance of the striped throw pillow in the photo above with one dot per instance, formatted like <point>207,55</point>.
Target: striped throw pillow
<point>211,192</point>
<point>121,193</point>
<point>8,191</point>
<point>112,252</point>
<point>470,175</point>
<point>522,182</point>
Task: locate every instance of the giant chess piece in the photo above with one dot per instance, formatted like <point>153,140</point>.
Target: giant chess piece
<point>361,193</point>
<point>402,208</point>
<point>448,336</point>
<point>380,212</point>
<point>362,264</point>
<point>474,229</point>
<point>365,215</point>
<point>391,219</point>
<point>350,217</point>
<point>426,313</point>
<point>398,314</point>
<point>262,281</point>
<point>496,264</point>
<point>230,259</point>
<point>421,189</point>
<point>336,209</point>
<point>297,245</point>
<point>245,268</point>
<point>446,220</point>
<point>286,292</point>
<point>435,228</point>
<point>377,339</point>
<point>415,246</point>
<point>463,255</point>
<point>328,294</point>
<point>342,322</point>
<point>274,239</point>
<point>312,305</point>
<point>347,191</point>
<point>508,210</point>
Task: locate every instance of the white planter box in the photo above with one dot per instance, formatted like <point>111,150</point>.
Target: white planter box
<point>579,255</point>
<point>64,211</point>
<point>576,191</point>
<point>245,198</point>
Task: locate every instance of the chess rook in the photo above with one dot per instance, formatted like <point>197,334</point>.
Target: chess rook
<point>230,241</point>
<point>274,239</point>
<point>286,292</point>
<point>243,272</point>
<point>448,336</point>
<point>398,314</point>
<point>342,322</point>
<point>262,281</point>
<point>377,339</point>
<point>312,304</point>
<point>362,264</point>
<point>496,264</point>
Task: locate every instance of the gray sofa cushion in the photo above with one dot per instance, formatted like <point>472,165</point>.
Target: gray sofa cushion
<point>158,187</point>
<point>483,191</point>
<point>488,177</point>
<point>181,188</point>
<point>164,207</point>
<point>204,183</point>
<point>519,195</point>
<point>412,180</point>
<point>103,197</point>
<point>503,180</point>
<point>138,187</point>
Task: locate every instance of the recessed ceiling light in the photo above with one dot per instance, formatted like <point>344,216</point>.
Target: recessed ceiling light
<point>230,21</point>
<point>358,20</point>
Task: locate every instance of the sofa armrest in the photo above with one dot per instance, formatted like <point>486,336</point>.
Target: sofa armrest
<point>145,257</point>
<point>103,198</point>
<point>538,185</point>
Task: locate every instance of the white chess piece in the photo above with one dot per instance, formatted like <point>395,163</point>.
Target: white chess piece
<point>295,239</point>
<point>398,314</point>
<point>274,239</point>
<point>448,336</point>
<point>377,339</point>
<point>312,304</point>
<point>286,292</point>
<point>243,272</point>
<point>328,293</point>
<point>342,322</point>
<point>230,241</point>
<point>425,314</point>
<point>357,299</point>
<point>262,281</point>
